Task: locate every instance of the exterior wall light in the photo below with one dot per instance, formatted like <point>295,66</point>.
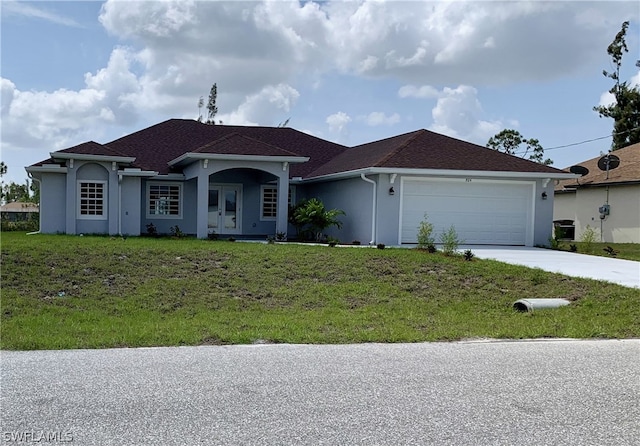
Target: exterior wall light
<point>391,191</point>
<point>544,195</point>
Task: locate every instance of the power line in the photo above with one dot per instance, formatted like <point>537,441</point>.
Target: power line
<point>591,140</point>
<point>583,142</point>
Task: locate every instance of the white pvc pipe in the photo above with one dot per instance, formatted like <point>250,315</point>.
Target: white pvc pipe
<point>528,305</point>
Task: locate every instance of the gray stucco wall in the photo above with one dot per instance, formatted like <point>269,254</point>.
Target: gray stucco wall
<point>187,221</point>
<point>130,206</point>
<point>53,203</point>
<point>355,197</point>
<point>543,221</point>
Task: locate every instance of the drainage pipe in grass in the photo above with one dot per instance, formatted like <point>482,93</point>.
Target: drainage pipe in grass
<point>529,305</point>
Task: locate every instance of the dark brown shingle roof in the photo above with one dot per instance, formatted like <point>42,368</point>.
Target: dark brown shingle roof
<point>423,149</point>
<point>627,172</point>
<point>236,144</point>
<point>93,148</point>
<point>155,146</point>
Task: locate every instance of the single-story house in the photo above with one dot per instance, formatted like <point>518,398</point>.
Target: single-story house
<point>239,181</point>
<point>19,211</point>
<point>607,202</point>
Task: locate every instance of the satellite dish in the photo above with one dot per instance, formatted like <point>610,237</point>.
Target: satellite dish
<point>608,162</point>
<point>579,170</point>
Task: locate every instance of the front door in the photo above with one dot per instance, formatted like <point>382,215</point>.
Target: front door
<point>224,208</point>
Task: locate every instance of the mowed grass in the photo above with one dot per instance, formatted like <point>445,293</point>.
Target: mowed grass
<point>61,292</point>
<point>626,251</point>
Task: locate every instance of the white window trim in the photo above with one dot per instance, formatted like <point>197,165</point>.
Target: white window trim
<point>105,202</point>
<point>148,213</point>
<point>292,191</point>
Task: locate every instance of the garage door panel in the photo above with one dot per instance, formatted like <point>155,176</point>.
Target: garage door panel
<point>482,213</point>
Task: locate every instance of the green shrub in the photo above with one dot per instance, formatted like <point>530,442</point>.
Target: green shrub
<point>176,232</point>
<point>450,241</point>
<point>469,255</point>
<point>23,226</point>
<point>313,216</point>
<point>425,233</point>
<point>588,238</point>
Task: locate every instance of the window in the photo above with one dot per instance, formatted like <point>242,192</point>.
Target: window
<point>92,199</point>
<point>269,201</point>
<point>164,200</point>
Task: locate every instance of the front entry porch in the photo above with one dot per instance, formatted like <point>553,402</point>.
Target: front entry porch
<point>225,209</point>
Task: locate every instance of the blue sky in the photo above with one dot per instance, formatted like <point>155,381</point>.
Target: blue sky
<point>350,72</point>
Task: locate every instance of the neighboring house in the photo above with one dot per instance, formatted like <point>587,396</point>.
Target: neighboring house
<point>238,181</point>
<point>19,211</point>
<point>578,201</point>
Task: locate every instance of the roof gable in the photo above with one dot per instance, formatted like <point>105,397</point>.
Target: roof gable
<point>423,149</point>
<point>92,148</point>
<point>236,144</point>
<point>627,172</point>
<point>155,146</point>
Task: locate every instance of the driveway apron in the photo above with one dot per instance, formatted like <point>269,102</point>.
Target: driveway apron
<point>622,272</point>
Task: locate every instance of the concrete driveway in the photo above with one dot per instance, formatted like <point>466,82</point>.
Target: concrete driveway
<point>622,272</point>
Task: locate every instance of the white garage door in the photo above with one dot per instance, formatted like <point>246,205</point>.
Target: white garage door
<point>483,212</point>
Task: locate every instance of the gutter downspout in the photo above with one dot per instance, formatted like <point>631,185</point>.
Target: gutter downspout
<point>373,208</point>
<point>120,205</point>
<point>39,213</point>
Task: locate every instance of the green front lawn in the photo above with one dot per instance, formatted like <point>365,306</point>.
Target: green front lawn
<point>627,251</point>
<point>95,292</point>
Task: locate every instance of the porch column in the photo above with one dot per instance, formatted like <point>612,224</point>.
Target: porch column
<point>203,205</point>
<point>114,205</point>
<point>283,203</point>
<point>71,200</point>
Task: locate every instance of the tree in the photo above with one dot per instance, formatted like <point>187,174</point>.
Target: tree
<point>625,111</point>
<point>211,105</point>
<point>284,124</point>
<point>511,141</point>
<point>3,168</point>
<point>15,192</point>
<point>200,105</point>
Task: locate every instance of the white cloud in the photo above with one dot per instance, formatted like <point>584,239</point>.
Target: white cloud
<point>24,9</point>
<point>338,123</point>
<point>458,113</point>
<point>379,118</point>
<point>259,108</point>
<point>36,119</point>
<point>411,91</point>
<point>607,98</point>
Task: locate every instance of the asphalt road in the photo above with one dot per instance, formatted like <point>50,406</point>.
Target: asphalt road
<point>554,392</point>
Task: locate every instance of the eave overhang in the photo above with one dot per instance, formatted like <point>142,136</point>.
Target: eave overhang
<point>87,157</point>
<point>49,168</point>
<point>442,173</point>
<point>190,157</point>
<point>137,173</point>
